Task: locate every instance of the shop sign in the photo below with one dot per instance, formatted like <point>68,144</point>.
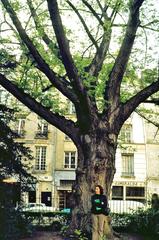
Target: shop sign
<point>128,183</point>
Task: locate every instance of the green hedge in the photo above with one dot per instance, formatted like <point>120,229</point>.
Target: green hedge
<point>145,222</point>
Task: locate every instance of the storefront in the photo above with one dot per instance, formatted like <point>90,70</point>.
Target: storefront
<point>129,190</point>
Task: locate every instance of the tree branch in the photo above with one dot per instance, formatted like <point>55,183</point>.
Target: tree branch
<point>64,48</point>
<point>155,21</point>
<point>156,124</point>
<point>66,126</point>
<point>93,12</point>
<point>86,107</point>
<point>84,24</point>
<point>97,62</point>
<point>40,29</point>
<point>112,91</point>
<point>140,97</point>
<point>115,10</point>
<point>59,82</point>
<point>153,101</point>
<point>99,4</point>
<point>75,91</point>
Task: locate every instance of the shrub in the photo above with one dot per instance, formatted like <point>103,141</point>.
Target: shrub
<point>145,222</point>
<point>13,225</point>
<point>76,235</point>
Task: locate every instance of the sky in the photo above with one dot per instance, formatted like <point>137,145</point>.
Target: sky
<point>148,44</point>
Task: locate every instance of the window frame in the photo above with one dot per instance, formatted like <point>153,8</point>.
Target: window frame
<point>40,161</point>
<point>69,164</point>
<point>139,197</point>
<point>127,167</point>
<point>116,194</point>
<point>126,133</point>
<point>20,126</point>
<point>71,108</point>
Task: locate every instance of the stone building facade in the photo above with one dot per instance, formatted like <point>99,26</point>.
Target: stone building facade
<point>40,137</point>
<point>55,160</point>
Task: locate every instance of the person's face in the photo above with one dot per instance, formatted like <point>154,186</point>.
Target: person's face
<point>97,190</point>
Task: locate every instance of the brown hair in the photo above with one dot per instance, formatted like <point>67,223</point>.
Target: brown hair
<point>101,189</point>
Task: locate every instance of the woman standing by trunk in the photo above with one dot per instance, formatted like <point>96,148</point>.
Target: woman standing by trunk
<point>99,212</point>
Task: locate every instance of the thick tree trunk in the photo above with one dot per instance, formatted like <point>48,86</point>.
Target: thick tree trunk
<point>96,166</point>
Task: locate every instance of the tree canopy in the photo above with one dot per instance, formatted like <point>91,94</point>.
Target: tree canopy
<point>82,50</point>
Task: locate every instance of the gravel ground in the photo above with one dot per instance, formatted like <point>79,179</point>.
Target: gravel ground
<point>55,236</point>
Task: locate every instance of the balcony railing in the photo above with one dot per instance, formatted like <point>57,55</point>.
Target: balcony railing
<point>40,169</point>
<point>19,134</point>
<point>127,174</point>
<point>43,135</point>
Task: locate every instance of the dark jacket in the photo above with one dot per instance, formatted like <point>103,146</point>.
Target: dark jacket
<point>99,204</point>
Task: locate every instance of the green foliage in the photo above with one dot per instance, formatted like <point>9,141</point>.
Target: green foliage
<point>7,60</point>
<point>76,235</point>
<point>13,225</point>
<point>11,151</point>
<point>80,235</point>
<point>149,75</point>
<point>118,5</point>
<point>145,222</point>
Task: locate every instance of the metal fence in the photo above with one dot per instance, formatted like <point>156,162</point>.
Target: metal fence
<point>125,206</point>
<point>116,206</point>
<point>41,215</point>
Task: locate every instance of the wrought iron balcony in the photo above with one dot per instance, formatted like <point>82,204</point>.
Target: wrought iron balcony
<point>19,134</point>
<point>127,174</point>
<point>40,134</point>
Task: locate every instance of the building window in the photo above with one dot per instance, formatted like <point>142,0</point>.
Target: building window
<point>67,183</point>
<point>46,198</point>
<point>20,127</point>
<point>40,158</point>
<point>127,165</point>
<point>64,199</point>
<point>67,138</point>
<point>1,96</point>
<point>117,192</point>
<point>71,108</point>
<point>70,160</point>
<point>4,97</point>
<point>42,131</point>
<point>135,193</point>
<point>32,196</point>
<point>126,133</point>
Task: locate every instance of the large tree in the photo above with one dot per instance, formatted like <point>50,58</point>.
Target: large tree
<point>69,46</point>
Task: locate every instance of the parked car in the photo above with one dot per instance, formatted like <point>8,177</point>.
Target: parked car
<point>66,210</point>
<point>36,207</point>
<point>124,206</point>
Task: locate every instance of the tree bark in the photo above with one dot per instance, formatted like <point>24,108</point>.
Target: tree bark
<point>96,166</point>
